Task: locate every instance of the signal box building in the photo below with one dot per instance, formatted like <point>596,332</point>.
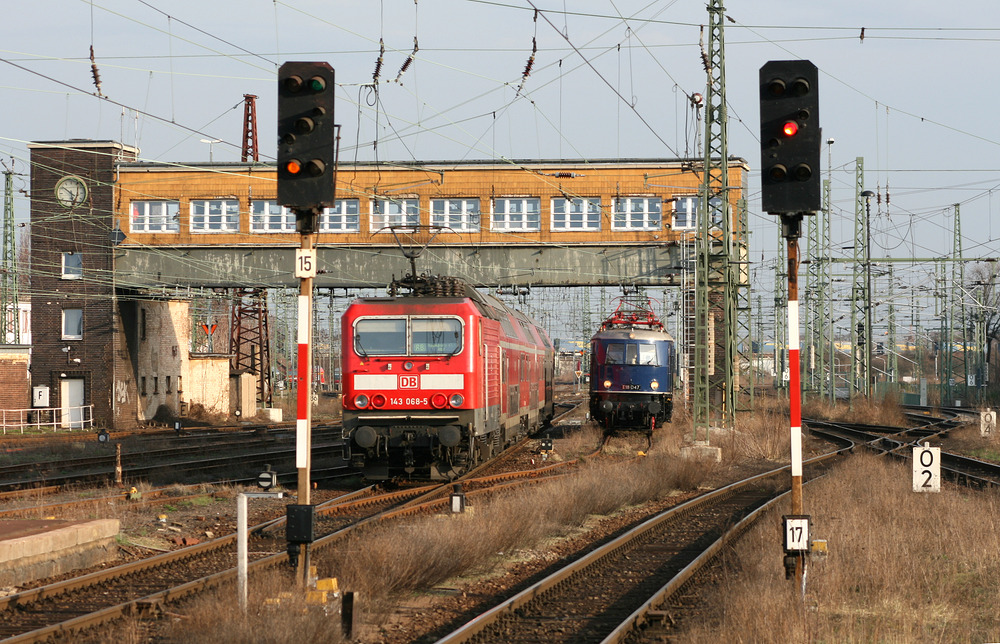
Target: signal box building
<point>117,243</point>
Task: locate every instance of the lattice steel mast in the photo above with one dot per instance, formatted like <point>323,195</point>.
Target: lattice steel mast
<point>715,276</point>
<point>9,305</point>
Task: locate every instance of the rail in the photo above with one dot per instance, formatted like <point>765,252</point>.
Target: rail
<point>47,418</point>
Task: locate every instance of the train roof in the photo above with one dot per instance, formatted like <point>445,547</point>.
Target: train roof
<point>645,335</point>
<point>454,291</point>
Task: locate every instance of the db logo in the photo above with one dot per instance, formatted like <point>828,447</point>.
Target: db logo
<point>409,382</point>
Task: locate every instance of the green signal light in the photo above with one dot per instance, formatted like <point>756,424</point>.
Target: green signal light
<point>317,83</point>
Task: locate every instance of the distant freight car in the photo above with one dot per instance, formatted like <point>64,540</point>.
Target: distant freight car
<point>631,370</point>
<point>440,379</point>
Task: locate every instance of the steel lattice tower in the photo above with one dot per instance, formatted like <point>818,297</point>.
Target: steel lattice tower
<point>957,328</point>
<point>249,150</point>
<point>249,340</point>
<point>9,305</point>
<point>859,343</point>
<point>715,276</point>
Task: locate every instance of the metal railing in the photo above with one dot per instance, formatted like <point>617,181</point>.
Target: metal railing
<point>47,419</point>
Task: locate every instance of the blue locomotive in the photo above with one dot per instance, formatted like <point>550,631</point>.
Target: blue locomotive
<point>631,369</point>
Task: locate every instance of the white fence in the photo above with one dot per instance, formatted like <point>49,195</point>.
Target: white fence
<point>47,418</point>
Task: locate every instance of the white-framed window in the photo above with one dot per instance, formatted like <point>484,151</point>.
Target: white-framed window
<point>215,216</point>
<point>72,265</point>
<point>686,212</point>
<point>72,324</point>
<point>394,212</point>
<point>344,217</point>
<point>155,217</point>
<point>457,214</point>
<point>271,217</point>
<point>637,213</point>
<point>580,213</point>
<point>516,214</point>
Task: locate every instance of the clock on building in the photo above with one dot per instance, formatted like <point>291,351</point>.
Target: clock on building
<point>71,191</point>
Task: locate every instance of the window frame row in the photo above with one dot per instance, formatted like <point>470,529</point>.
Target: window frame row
<point>461,214</point>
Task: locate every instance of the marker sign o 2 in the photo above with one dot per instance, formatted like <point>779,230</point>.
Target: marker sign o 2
<point>926,469</point>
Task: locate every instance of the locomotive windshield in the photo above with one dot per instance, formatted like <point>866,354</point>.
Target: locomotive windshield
<point>435,335</point>
<point>631,353</point>
<point>407,336</point>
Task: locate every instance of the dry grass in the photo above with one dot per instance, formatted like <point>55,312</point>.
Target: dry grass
<point>903,567</point>
<point>386,565</point>
<point>215,617</point>
<point>862,410</point>
<point>390,563</point>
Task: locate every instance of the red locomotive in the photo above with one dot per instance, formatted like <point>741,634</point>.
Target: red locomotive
<point>440,379</point>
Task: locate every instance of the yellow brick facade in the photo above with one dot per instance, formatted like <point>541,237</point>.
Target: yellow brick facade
<point>670,182</point>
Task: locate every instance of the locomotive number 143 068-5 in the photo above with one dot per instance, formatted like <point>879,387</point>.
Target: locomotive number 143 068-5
<point>407,401</point>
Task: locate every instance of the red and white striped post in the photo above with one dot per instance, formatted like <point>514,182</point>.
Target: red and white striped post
<point>791,226</point>
<point>303,407</point>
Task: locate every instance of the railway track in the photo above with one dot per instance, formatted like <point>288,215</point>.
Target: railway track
<point>624,590</point>
<point>604,594</point>
<point>174,461</point>
<point>100,598</point>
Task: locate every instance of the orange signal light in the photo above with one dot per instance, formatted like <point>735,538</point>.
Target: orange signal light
<point>790,128</point>
<point>293,166</point>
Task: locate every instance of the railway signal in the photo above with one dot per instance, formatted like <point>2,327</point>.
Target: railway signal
<point>306,140</point>
<point>789,137</point>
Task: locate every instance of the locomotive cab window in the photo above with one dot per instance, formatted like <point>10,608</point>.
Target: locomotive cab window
<point>407,336</point>
<point>631,354</point>
<point>647,354</point>
<point>435,336</point>
<point>380,337</point>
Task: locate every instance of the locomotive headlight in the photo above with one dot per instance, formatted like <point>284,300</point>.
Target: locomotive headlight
<point>607,384</point>
<point>361,401</point>
<point>407,365</point>
<point>456,400</point>
<point>654,385</point>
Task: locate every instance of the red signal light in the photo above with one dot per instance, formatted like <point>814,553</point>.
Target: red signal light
<point>293,166</point>
<point>790,128</point>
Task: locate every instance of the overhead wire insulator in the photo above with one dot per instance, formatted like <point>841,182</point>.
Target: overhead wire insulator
<point>378,63</point>
<point>96,74</point>
<point>409,60</point>
<point>528,65</point>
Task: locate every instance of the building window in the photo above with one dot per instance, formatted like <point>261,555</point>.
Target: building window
<point>457,214</point>
<point>72,266</point>
<point>155,217</point>
<point>215,216</point>
<point>394,212</point>
<point>686,212</point>
<point>142,324</point>
<point>576,214</point>
<point>516,214</point>
<point>72,324</point>
<point>167,390</point>
<point>344,217</point>
<point>142,386</point>
<point>156,384</point>
<point>270,217</point>
<point>637,213</point>
<point>180,389</point>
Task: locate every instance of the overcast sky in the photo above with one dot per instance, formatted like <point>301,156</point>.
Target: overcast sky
<point>906,84</point>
